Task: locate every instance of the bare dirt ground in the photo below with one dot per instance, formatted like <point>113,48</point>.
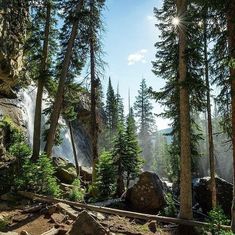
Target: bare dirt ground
<point>37,219</point>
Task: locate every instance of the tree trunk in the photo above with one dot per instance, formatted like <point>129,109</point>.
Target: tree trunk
<point>231,42</point>
<point>74,149</point>
<point>93,114</point>
<point>60,91</point>
<point>41,82</point>
<point>185,151</point>
<point>209,119</point>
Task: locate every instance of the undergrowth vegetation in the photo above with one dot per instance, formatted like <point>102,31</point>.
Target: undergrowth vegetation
<point>36,176</point>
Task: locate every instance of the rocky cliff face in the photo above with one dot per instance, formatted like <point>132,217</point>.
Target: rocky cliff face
<point>13,22</point>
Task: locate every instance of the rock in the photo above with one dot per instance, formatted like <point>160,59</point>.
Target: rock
<point>87,225</point>
<point>147,194</point>
<point>68,210</point>
<point>66,171</point>
<point>20,217</point>
<point>152,226</point>
<point>24,233</point>
<point>202,194</point>
<point>57,218</point>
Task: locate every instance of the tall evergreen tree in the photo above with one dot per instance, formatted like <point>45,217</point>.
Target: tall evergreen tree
<point>119,158</point>
<point>120,107</point>
<point>179,61</point>
<point>111,112</point>
<point>42,33</point>
<point>185,151</point>
<point>111,107</point>
<point>95,27</point>
<point>231,46</point>
<point>206,38</point>
<point>143,111</point>
<point>70,61</point>
<point>133,150</point>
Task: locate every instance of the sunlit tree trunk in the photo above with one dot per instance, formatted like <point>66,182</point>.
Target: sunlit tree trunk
<point>209,119</point>
<point>41,82</point>
<point>60,91</point>
<point>185,150</point>
<point>74,149</point>
<point>231,42</point>
<point>93,115</point>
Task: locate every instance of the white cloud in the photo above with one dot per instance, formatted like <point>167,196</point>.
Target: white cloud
<point>136,57</point>
<point>150,17</point>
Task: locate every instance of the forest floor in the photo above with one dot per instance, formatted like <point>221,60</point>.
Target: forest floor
<point>39,218</point>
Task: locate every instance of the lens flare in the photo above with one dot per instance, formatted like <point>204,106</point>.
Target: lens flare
<point>176,21</point>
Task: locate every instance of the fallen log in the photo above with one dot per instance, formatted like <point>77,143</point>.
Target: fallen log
<point>123,213</point>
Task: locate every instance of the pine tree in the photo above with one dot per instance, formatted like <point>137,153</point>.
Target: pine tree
<point>120,107</point>
<point>42,33</point>
<point>70,60</point>
<point>143,111</point>
<point>119,158</point>
<point>111,108</point>
<point>231,47</point>
<point>133,160</point>
<point>105,182</point>
<point>179,61</point>
<point>94,29</point>
<point>111,113</point>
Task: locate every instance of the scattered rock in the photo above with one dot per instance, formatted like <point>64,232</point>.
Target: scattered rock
<point>19,217</point>
<point>66,171</point>
<point>87,225</point>
<point>152,226</point>
<point>69,222</point>
<point>52,209</point>
<point>67,210</point>
<point>57,218</point>
<point>97,215</point>
<point>24,233</point>
<point>147,194</point>
<point>202,194</point>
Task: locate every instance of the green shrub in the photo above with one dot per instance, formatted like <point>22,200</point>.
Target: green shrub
<point>4,221</point>
<point>35,177</point>
<point>105,182</point>
<point>38,177</point>
<point>77,193</point>
<point>170,209</point>
<point>216,219</point>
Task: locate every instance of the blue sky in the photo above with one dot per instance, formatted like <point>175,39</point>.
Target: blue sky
<point>128,42</point>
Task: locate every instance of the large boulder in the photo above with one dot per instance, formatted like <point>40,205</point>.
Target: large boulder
<point>66,171</point>
<point>147,194</point>
<point>85,224</point>
<point>202,194</point>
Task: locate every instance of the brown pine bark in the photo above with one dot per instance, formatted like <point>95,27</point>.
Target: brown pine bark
<point>60,91</point>
<point>41,83</point>
<point>209,120</point>
<point>185,151</point>
<point>74,149</point>
<point>231,43</point>
<point>93,115</point>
